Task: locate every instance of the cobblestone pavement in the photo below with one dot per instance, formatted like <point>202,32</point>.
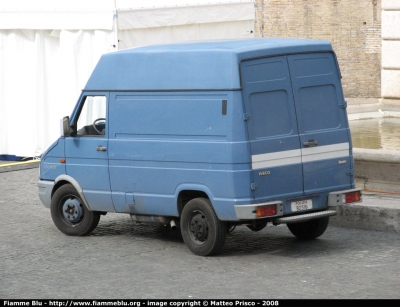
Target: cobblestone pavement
<point>123,260</point>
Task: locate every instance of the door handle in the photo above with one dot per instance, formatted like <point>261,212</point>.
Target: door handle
<point>310,143</point>
<point>101,148</point>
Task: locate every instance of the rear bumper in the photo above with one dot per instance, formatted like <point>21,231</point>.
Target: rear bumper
<point>336,198</point>
<point>248,212</point>
<point>303,217</point>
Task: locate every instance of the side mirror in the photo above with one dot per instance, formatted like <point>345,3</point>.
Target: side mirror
<point>65,127</point>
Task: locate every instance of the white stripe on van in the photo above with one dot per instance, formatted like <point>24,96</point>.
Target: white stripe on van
<point>279,158</point>
<point>282,158</point>
<point>325,152</point>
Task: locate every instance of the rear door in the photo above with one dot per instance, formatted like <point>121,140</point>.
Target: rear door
<point>272,128</point>
<point>322,122</point>
<point>297,125</point>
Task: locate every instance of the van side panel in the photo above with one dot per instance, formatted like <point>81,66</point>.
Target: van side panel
<point>322,122</point>
<point>163,142</point>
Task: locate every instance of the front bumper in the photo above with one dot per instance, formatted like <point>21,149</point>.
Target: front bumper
<point>45,188</point>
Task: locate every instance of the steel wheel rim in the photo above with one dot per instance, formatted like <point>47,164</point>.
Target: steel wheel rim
<point>198,227</point>
<point>71,210</point>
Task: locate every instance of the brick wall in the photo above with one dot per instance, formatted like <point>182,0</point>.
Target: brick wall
<point>352,26</point>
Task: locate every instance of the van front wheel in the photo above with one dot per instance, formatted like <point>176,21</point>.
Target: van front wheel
<point>203,233</point>
<point>69,213</point>
<point>309,230</point>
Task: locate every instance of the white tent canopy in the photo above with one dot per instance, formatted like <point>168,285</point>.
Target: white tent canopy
<point>56,14</point>
<point>48,49</point>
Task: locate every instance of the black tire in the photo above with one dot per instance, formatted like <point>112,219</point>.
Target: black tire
<point>69,213</point>
<point>309,230</point>
<point>259,225</point>
<point>203,233</point>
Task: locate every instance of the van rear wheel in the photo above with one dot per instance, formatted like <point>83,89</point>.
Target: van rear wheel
<point>69,213</point>
<point>310,229</point>
<point>203,233</point>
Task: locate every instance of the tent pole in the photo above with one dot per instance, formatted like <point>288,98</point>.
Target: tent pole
<point>115,27</point>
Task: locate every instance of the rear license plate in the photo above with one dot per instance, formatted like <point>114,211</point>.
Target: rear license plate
<point>301,205</point>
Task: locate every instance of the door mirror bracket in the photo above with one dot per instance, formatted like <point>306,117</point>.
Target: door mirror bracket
<point>65,127</point>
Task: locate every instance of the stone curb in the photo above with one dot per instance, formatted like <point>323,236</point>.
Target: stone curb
<point>10,166</point>
<point>377,212</point>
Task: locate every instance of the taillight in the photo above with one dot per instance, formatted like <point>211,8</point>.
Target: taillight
<point>352,197</point>
<point>268,210</point>
<point>344,197</point>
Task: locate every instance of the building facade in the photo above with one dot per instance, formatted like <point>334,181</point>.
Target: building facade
<point>391,52</point>
<point>352,26</point>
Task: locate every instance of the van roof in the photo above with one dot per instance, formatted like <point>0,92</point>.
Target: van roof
<point>200,65</point>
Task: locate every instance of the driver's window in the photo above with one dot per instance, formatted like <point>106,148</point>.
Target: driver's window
<point>92,117</point>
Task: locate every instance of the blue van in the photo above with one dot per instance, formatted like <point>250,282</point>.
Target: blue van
<point>205,136</point>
